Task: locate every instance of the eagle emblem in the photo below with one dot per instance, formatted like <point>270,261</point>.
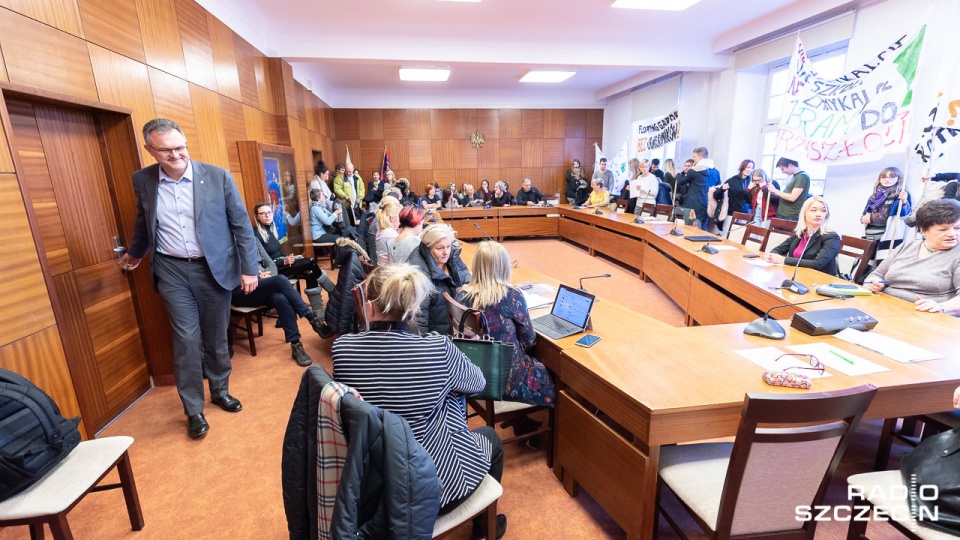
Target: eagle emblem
<point>477,140</point>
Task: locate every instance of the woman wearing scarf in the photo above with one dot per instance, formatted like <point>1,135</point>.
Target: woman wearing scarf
<point>577,185</point>
<point>889,194</point>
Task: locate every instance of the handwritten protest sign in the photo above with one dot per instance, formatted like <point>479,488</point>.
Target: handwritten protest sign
<point>857,117</point>
<point>655,133</point>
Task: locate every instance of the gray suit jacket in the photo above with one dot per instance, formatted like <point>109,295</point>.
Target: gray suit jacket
<point>223,225</point>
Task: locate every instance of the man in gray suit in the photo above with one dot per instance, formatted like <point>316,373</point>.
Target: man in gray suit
<point>190,218</point>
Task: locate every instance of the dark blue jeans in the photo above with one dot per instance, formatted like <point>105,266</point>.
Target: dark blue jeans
<point>278,293</point>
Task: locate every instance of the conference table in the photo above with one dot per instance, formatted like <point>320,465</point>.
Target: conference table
<point>647,384</point>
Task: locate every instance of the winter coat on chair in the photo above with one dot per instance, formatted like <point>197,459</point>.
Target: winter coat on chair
<point>434,316</point>
<point>341,311</point>
<point>388,486</point>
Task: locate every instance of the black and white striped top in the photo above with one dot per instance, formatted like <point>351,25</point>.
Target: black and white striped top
<point>423,379</point>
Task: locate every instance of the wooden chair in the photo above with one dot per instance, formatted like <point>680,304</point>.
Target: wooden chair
<point>49,500</point>
<point>482,501</point>
<point>649,209</point>
<point>788,444</point>
<point>780,230</point>
<point>319,247</point>
<point>738,224</point>
<point>858,252</point>
<point>663,210</point>
<point>250,315</point>
<point>757,235</point>
<point>492,411</point>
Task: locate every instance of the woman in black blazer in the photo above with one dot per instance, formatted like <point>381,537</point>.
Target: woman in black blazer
<point>812,244</point>
<point>736,189</point>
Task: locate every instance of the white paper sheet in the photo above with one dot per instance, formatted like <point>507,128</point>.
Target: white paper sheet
<point>839,359</point>
<point>766,357</point>
<point>726,248</point>
<point>758,262</point>
<point>887,346</point>
<point>535,301</point>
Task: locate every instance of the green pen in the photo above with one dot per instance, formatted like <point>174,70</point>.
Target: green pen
<point>842,357</point>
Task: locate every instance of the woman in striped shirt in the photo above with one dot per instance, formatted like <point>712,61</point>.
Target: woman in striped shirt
<point>421,378</point>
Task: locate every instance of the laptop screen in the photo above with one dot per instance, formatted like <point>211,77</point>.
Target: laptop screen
<point>572,305</point>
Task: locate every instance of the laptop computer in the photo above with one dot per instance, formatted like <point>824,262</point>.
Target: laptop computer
<point>569,314</point>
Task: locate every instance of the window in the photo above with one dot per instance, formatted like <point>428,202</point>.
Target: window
<point>828,65</point>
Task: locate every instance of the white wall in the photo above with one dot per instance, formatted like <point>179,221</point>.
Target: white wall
<point>723,110</point>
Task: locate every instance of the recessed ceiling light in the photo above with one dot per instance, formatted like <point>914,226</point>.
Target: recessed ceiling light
<point>459,0</point>
<point>547,76</point>
<point>424,74</point>
<point>655,5</point>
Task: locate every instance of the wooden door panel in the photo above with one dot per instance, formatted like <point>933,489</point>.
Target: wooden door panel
<point>81,360</point>
<point>73,157</point>
<point>36,179</point>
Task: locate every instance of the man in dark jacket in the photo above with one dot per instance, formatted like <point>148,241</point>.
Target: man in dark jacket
<point>700,178</point>
<point>529,195</point>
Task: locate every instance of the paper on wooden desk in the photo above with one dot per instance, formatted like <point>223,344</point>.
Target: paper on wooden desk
<point>887,346</point>
<point>758,262</point>
<point>535,301</point>
<point>766,357</point>
<point>839,359</point>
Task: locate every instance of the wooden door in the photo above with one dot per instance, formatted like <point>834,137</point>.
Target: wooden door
<point>63,169</point>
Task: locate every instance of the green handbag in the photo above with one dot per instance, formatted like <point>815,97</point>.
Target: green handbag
<point>494,358</point>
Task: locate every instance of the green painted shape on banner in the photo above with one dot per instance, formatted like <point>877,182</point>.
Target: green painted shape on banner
<point>907,62</point>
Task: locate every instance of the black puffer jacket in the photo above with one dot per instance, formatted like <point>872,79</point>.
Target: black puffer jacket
<point>341,311</point>
<point>434,316</point>
<point>389,486</point>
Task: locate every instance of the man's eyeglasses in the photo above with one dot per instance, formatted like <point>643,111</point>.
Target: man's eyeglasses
<point>169,151</point>
<point>815,364</point>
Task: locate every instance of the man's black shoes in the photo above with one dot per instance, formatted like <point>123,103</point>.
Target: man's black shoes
<point>197,426</point>
<point>228,403</point>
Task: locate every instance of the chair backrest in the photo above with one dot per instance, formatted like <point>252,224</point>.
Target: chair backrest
<point>649,208</point>
<point>664,210</point>
<point>793,442</point>
<point>783,225</point>
<point>756,234</point>
<point>738,223</point>
<point>855,254</point>
<point>359,293</point>
<point>472,328</point>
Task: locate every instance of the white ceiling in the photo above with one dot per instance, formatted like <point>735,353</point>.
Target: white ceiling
<point>348,53</point>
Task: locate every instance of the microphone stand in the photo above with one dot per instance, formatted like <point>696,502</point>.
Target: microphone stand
<point>707,248</point>
<point>791,284</point>
<point>673,213</point>
<point>592,277</point>
<point>477,225</point>
<point>766,327</point>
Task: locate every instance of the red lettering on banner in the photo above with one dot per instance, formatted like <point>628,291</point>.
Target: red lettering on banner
<point>848,147</point>
<point>868,137</point>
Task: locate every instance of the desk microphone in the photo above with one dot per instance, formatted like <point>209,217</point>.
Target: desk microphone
<point>598,212</point>
<point>477,225</point>
<point>766,327</point>
<point>591,277</point>
<point>707,248</point>
<point>791,284</point>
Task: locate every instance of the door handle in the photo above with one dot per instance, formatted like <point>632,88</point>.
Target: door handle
<point>118,248</point>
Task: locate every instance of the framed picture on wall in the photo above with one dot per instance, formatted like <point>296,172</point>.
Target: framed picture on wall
<point>269,175</point>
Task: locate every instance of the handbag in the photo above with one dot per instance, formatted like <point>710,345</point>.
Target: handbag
<point>492,357</point>
<point>935,462</point>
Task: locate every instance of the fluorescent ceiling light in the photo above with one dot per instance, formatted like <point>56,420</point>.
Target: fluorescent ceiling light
<point>459,0</point>
<point>655,5</point>
<point>424,74</point>
<point>547,76</point>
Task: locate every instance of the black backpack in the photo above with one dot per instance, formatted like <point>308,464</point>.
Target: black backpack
<point>33,435</point>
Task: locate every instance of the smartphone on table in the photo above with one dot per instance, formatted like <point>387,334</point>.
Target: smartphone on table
<point>588,340</point>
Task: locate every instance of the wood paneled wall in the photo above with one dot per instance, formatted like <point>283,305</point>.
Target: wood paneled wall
<point>157,58</point>
<point>433,145</point>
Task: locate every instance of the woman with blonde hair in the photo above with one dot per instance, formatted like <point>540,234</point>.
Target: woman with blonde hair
<point>388,228</point>
<point>644,188</point>
<point>598,196</point>
<point>811,245</point>
<point>423,379</point>
<point>508,320</point>
<point>439,261</point>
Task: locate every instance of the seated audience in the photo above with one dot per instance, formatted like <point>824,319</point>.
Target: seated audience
<point>437,259</point>
<point>424,379</point>
<point>448,201</point>
<point>388,228</point>
<point>485,193</point>
<point>322,221</point>
<point>375,188</point>
<point>926,271</point>
<point>291,266</point>
<point>407,196</point>
<point>276,292</point>
<point>811,244</point>
<point>431,200</point>
<point>408,238</point>
<point>529,195</point>
<point>598,196</point>
<point>469,196</point>
<point>509,321</point>
<point>501,195</point>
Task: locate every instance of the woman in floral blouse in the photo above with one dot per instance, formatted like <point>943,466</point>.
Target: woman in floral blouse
<point>509,321</point>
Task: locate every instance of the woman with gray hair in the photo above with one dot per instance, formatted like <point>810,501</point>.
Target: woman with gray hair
<point>439,261</point>
<point>501,195</point>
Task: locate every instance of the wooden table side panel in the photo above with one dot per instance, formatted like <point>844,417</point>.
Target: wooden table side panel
<point>623,409</point>
<point>528,226</point>
<point>575,231</point>
<point>466,229</point>
<point>671,278</point>
<point>602,462</point>
<point>631,252</point>
<point>606,242</point>
<point>714,306</point>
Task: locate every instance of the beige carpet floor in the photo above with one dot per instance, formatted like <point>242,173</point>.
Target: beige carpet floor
<point>227,485</point>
